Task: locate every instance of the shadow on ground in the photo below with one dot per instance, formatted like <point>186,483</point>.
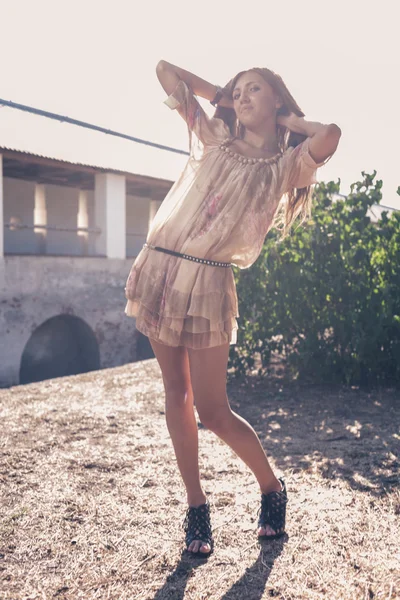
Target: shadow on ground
<point>340,433</point>
<point>251,585</point>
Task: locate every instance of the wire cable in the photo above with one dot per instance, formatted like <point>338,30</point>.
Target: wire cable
<point>64,119</point>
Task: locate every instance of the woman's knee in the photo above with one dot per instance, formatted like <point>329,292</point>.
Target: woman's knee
<point>216,420</point>
<point>177,392</point>
<point>178,389</point>
<point>208,379</point>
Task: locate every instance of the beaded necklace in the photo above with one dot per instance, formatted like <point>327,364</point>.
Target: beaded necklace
<point>224,146</point>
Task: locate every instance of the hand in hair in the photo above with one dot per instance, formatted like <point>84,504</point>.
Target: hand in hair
<point>300,125</point>
<point>292,122</point>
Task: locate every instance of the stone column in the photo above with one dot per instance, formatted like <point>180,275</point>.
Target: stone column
<point>83,221</point>
<point>40,217</point>
<point>1,209</point>
<point>110,214</point>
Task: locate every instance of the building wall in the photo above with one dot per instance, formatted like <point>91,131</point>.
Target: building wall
<point>35,288</point>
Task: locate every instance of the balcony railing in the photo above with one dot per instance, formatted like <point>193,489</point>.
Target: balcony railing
<point>40,231</point>
<point>83,233</point>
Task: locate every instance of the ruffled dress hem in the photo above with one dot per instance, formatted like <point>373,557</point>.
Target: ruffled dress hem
<point>196,308</point>
<point>158,330</point>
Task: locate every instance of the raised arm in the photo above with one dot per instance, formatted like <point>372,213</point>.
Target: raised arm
<point>169,76</point>
<point>324,139</point>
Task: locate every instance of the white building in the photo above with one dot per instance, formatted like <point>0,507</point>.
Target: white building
<point>69,232</point>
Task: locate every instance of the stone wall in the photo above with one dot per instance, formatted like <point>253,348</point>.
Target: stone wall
<point>36,288</point>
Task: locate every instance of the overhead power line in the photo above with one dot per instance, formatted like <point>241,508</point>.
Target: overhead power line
<point>56,117</point>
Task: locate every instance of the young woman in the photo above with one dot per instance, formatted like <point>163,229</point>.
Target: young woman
<point>251,166</point>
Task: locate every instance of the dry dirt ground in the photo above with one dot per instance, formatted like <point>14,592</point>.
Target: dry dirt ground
<point>92,504</point>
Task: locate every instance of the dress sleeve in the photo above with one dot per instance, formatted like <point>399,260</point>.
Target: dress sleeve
<point>301,168</point>
<point>208,130</point>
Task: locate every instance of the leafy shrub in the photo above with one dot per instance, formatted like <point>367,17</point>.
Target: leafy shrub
<point>327,298</point>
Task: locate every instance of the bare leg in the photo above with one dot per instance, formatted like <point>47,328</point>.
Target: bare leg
<point>208,377</point>
<point>181,422</point>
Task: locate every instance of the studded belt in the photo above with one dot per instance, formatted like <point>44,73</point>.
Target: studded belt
<point>205,261</point>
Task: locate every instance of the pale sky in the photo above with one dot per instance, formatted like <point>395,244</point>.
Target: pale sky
<point>95,61</point>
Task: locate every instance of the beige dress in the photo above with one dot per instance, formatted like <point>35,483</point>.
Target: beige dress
<point>220,208</point>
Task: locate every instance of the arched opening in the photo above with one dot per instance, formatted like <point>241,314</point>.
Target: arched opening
<point>63,345</point>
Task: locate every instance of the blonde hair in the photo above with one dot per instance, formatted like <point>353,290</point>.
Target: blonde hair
<point>299,200</point>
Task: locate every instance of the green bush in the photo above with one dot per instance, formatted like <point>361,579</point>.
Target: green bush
<point>327,298</point>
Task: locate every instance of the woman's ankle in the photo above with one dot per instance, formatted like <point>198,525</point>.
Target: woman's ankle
<point>273,486</point>
<point>196,499</point>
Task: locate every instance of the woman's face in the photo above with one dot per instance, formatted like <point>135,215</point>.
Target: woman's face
<point>254,100</point>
